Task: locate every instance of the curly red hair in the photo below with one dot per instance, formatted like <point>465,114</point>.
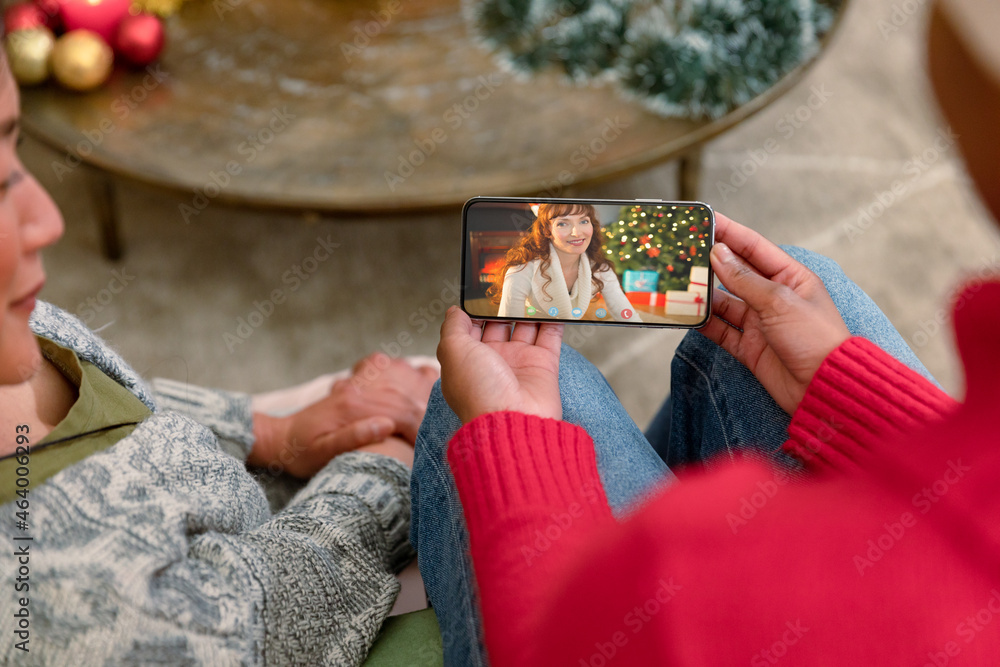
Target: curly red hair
<point>535,245</point>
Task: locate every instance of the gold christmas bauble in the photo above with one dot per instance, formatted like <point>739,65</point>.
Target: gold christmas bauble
<point>81,60</point>
<point>28,54</point>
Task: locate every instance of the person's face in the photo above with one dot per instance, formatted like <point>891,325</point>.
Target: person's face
<point>571,233</point>
<point>29,221</point>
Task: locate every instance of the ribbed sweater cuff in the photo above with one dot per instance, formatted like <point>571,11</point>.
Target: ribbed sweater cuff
<point>509,463</point>
<point>531,495</point>
<point>860,398</point>
<point>382,484</point>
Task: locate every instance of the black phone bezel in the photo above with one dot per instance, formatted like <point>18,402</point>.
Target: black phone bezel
<point>557,200</point>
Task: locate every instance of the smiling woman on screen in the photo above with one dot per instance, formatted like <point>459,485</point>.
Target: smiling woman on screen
<point>570,233</point>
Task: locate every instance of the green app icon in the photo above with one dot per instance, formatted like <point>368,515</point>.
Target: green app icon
<point>530,311</point>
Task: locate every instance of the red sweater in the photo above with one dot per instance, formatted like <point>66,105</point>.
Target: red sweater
<point>888,555</point>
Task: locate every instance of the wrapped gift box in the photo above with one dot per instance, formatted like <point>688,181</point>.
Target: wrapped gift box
<point>640,281</point>
<point>699,280</point>
<point>697,289</point>
<point>646,298</point>
<point>685,303</point>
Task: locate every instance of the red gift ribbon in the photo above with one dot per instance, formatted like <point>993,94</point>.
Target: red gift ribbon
<point>698,300</point>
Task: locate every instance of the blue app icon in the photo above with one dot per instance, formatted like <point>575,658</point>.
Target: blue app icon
<point>577,313</point>
<point>601,313</point>
<point>553,312</point>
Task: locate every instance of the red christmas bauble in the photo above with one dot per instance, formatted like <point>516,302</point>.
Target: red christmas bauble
<point>53,18</point>
<point>670,268</point>
<point>140,39</point>
<point>100,16</point>
<point>22,16</point>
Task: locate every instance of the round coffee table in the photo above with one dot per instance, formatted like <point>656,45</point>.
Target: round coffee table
<point>350,106</point>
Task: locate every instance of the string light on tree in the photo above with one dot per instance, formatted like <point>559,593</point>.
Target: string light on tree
<point>666,240</point>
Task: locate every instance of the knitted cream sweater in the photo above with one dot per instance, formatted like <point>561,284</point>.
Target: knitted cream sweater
<point>162,549</point>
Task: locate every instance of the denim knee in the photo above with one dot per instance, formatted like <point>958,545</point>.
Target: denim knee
<point>696,345</point>
<point>571,359</point>
<point>821,265</point>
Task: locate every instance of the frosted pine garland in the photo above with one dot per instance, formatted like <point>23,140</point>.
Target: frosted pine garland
<point>687,58</point>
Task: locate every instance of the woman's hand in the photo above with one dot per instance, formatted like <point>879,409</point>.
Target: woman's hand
<point>788,320</point>
<point>382,397</point>
<point>499,367</point>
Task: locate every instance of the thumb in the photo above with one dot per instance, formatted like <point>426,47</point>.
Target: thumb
<point>457,331</point>
<point>741,279</point>
<point>456,323</point>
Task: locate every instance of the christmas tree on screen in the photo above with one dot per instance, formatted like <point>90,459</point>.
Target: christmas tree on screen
<point>667,239</point>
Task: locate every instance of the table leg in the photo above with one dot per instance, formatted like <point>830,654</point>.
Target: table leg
<point>103,192</point>
<point>689,175</point>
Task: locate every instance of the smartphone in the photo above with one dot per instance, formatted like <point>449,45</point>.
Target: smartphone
<point>630,262</point>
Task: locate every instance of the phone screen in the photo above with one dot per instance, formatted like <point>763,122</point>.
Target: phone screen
<point>597,261</point>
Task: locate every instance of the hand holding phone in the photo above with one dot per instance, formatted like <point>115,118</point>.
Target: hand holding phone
<point>782,321</point>
<point>499,367</point>
<point>628,262</point>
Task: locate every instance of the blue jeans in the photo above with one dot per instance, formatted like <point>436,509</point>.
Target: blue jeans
<point>716,407</point>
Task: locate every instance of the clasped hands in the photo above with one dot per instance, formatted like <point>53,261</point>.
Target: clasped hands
<point>377,409</point>
<point>777,319</point>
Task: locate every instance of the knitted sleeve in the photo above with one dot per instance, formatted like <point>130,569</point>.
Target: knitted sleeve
<point>227,413</point>
<point>162,549</point>
<point>860,398</point>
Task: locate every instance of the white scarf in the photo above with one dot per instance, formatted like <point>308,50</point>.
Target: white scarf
<point>558,294</point>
